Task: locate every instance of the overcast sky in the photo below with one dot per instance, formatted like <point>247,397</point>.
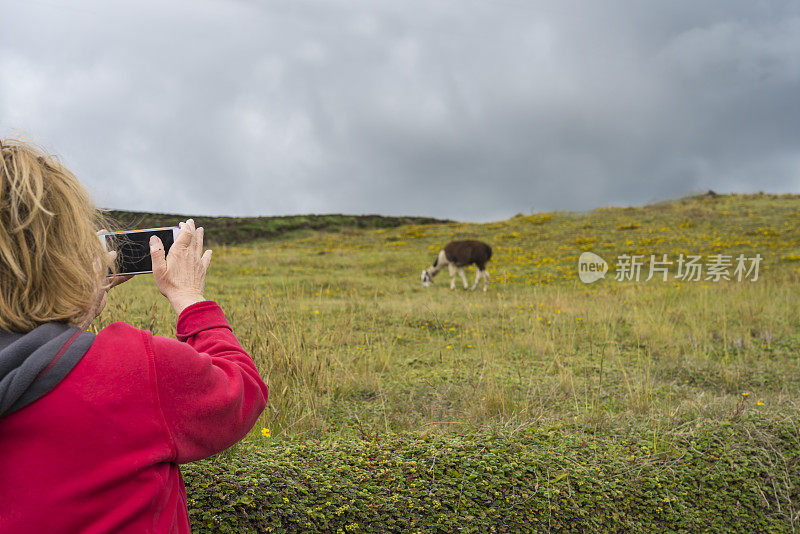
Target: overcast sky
<point>465,109</point>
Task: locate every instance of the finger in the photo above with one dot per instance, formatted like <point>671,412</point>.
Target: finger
<point>184,238</point>
<point>198,240</point>
<point>157,257</point>
<point>111,258</point>
<point>120,278</point>
<point>190,224</point>
<point>97,265</point>
<point>206,259</point>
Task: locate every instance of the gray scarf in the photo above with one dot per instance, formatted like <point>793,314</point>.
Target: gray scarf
<point>32,364</point>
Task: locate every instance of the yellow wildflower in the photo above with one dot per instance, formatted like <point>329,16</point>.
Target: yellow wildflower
<point>265,432</point>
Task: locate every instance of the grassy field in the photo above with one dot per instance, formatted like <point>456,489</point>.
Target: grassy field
<point>351,344</point>
<point>355,349</point>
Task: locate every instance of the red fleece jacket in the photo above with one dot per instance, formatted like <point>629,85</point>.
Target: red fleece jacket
<point>100,451</point>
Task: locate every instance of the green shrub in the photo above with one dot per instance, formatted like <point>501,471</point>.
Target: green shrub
<point>740,476</point>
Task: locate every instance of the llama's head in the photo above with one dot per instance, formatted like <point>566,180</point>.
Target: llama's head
<point>426,278</point>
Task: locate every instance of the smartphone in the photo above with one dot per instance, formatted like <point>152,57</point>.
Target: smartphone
<point>133,247</point>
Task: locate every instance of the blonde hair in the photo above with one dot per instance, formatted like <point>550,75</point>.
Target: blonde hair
<point>51,260</point>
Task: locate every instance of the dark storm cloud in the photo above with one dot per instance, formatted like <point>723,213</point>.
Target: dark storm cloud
<point>472,110</point>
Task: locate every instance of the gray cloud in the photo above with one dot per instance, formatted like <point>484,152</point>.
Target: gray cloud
<point>468,109</point>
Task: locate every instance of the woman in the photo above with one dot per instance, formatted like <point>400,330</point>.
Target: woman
<point>93,427</point>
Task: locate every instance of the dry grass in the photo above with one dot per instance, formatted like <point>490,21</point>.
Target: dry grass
<point>350,343</point>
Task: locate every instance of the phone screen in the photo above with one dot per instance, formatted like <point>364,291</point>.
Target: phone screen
<point>133,248</point>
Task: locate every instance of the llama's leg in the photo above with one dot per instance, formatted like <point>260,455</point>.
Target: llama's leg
<point>485,280</point>
<point>478,276</point>
<point>452,275</point>
<point>463,277</point>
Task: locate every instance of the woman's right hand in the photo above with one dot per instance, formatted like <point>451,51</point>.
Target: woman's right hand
<point>181,275</point>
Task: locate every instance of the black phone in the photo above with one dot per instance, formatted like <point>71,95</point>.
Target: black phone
<point>133,247</point>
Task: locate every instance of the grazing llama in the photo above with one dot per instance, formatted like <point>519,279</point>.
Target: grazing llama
<point>457,255</point>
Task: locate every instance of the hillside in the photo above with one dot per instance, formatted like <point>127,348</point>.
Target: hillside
<point>232,230</point>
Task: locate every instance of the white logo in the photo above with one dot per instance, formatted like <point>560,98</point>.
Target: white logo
<point>591,267</point>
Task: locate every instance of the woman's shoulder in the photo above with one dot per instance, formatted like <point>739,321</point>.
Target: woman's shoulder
<point>119,354</point>
<point>119,328</point>
<point>121,334</point>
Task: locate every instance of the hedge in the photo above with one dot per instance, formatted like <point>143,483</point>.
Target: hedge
<point>740,476</point>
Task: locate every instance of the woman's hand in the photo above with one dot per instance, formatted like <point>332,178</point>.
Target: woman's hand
<point>181,275</point>
<point>104,283</point>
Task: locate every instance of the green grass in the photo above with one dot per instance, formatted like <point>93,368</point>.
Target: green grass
<point>349,341</point>
<point>353,348</point>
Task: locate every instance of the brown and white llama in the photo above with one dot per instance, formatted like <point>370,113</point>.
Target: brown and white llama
<point>456,255</point>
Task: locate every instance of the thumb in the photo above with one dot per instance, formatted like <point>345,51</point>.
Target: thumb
<point>206,259</point>
<point>157,255</point>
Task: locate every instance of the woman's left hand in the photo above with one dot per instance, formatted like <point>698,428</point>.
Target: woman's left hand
<point>104,284</point>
